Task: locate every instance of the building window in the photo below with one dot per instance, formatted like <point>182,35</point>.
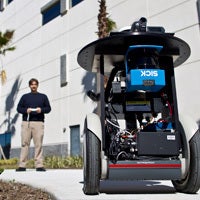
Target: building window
<point>198,9</point>
<point>4,3</point>
<point>75,146</point>
<point>63,70</point>
<point>75,2</point>
<point>9,1</point>
<point>56,8</point>
<point>50,11</point>
<point>1,5</point>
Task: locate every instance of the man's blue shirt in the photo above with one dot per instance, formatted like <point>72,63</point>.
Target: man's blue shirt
<point>33,100</point>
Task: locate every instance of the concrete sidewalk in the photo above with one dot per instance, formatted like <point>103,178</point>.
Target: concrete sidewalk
<point>67,184</point>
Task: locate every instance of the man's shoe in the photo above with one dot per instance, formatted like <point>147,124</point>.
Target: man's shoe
<point>40,169</point>
<point>21,169</point>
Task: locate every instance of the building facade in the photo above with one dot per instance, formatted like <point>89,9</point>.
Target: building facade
<point>48,36</point>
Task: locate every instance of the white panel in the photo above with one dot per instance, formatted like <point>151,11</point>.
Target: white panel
<point>157,7</point>
<point>177,17</point>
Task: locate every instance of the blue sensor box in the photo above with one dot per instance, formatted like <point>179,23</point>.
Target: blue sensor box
<point>151,80</point>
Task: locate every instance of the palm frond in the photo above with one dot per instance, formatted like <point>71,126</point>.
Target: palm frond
<point>3,76</point>
<point>110,24</point>
<point>9,34</point>
<point>5,40</point>
<point>7,49</point>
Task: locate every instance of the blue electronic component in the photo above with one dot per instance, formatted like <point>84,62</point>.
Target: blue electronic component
<point>163,126</point>
<point>142,68</point>
<point>159,126</point>
<point>146,79</point>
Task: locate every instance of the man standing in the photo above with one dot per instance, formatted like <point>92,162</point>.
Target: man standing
<point>32,106</point>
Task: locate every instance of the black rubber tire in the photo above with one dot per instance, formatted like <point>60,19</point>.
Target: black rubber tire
<point>191,183</point>
<point>92,163</point>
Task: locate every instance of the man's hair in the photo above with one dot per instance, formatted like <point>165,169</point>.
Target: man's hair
<point>33,80</point>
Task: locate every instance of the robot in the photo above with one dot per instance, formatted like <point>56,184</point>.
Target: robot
<point>137,132</point>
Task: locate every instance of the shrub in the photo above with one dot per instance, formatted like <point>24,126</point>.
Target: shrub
<point>51,162</point>
<point>66,162</point>
<point>1,170</point>
<point>11,161</point>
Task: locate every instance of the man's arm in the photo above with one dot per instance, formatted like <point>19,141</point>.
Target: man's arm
<point>46,107</point>
<point>20,107</point>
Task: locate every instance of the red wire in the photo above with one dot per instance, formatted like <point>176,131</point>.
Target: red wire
<point>169,105</point>
<point>170,108</point>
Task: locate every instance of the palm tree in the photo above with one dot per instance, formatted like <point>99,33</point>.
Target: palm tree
<point>105,26</point>
<point>105,23</point>
<point>102,22</point>
<point>5,40</point>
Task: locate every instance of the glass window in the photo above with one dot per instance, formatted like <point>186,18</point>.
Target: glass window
<point>75,146</point>
<point>198,9</point>
<point>1,5</point>
<point>55,8</point>
<point>9,1</point>
<point>75,2</point>
<point>51,12</point>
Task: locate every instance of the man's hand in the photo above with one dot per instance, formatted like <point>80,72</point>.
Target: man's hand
<point>38,110</point>
<point>29,110</point>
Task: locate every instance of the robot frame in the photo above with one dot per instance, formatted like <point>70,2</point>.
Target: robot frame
<point>138,132</point>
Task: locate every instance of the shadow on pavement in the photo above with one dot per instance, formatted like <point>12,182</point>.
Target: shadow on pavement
<point>135,187</point>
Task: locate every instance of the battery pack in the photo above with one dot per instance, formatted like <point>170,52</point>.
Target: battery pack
<point>158,143</point>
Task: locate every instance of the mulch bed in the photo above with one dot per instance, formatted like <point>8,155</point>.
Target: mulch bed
<point>17,191</point>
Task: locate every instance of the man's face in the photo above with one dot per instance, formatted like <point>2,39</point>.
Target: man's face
<point>33,86</point>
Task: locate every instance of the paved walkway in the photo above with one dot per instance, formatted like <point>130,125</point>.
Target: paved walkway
<point>67,185</point>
